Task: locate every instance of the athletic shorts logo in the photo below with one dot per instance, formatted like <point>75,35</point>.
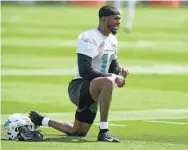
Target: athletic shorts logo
<point>81,110</point>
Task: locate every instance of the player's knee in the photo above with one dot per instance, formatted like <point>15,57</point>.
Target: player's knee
<point>109,83</point>
<point>79,134</point>
<point>82,134</point>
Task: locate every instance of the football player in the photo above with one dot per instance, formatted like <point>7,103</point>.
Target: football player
<point>98,73</point>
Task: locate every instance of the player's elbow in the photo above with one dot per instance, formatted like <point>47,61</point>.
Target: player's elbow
<point>84,73</point>
<point>83,134</point>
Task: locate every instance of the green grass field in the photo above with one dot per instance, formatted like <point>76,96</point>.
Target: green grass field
<point>39,60</point>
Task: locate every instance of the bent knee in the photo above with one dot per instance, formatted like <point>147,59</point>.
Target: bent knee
<point>79,134</point>
<point>97,84</point>
<point>109,80</point>
<point>108,83</point>
<point>102,81</point>
<point>82,134</point>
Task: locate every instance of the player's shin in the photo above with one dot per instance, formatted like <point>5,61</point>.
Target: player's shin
<point>105,100</point>
<point>64,127</point>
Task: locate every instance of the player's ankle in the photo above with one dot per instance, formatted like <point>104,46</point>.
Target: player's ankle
<point>103,130</point>
<point>103,127</point>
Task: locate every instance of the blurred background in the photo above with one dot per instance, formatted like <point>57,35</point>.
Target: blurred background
<point>38,60</point>
<point>39,52</point>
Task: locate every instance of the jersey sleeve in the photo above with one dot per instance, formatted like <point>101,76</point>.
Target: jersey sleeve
<point>87,46</point>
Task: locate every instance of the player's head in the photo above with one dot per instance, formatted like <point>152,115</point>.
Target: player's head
<point>110,17</point>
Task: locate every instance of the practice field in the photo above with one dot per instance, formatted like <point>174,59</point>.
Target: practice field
<point>39,60</point>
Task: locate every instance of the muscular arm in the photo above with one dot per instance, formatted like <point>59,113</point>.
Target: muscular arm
<point>114,67</point>
<point>85,69</point>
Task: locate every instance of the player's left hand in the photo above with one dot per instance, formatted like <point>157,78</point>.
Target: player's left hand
<point>124,72</point>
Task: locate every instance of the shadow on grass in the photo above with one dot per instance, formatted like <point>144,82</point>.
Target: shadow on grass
<point>89,139</point>
<point>67,139</point>
<point>60,138</point>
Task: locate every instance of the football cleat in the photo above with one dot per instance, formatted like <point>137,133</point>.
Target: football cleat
<point>36,118</point>
<point>107,137</point>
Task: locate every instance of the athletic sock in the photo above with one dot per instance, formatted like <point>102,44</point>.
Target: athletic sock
<point>45,121</point>
<point>103,127</point>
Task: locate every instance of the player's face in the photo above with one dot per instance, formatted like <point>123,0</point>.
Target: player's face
<point>113,23</point>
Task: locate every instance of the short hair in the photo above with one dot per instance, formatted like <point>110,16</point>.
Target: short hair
<point>108,10</point>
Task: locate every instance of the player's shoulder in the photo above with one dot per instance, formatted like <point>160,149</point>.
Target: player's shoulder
<point>91,36</point>
<point>86,44</point>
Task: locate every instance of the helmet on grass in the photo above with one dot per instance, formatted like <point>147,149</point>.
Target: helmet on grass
<point>19,127</point>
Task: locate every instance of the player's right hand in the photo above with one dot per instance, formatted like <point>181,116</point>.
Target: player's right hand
<point>120,80</point>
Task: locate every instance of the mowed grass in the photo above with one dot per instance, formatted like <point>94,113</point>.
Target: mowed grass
<point>44,37</point>
<point>136,135</point>
<point>142,92</point>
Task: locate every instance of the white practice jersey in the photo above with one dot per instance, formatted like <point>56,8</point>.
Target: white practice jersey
<point>102,49</point>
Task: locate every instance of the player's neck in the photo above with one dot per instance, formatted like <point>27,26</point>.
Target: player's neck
<point>103,31</point>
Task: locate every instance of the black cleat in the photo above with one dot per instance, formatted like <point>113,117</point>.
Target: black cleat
<point>36,118</point>
<point>107,137</point>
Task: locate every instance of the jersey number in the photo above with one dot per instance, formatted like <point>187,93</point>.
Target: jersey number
<point>105,61</point>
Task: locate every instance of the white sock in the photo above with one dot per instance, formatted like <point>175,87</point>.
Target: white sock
<point>103,125</point>
<point>45,121</point>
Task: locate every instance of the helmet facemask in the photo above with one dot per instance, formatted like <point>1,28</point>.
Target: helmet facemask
<point>26,134</point>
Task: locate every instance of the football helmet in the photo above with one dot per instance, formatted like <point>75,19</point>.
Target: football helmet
<point>19,127</point>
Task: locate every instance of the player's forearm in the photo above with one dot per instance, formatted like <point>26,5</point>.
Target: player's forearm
<point>85,69</point>
<point>114,67</point>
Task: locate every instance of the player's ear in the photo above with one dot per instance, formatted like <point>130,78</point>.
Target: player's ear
<point>104,19</point>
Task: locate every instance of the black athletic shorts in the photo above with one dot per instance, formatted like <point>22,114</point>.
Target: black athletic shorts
<point>80,95</point>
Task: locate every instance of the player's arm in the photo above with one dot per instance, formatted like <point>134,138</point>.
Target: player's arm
<point>114,67</point>
<point>85,68</point>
